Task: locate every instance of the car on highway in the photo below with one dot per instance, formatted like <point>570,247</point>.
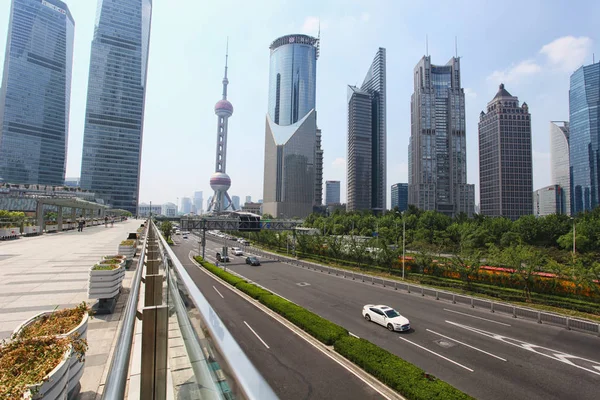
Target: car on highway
<point>386,316</point>
<point>185,236</point>
<point>221,258</point>
<point>237,251</point>
<point>252,261</point>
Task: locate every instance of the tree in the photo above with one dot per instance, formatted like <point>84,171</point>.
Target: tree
<point>467,263</point>
<point>524,260</point>
<point>166,227</point>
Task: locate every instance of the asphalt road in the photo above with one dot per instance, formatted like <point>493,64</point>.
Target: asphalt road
<point>489,356</point>
<point>293,367</point>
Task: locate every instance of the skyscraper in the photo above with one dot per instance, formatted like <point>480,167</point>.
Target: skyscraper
<point>198,202</point>
<point>36,93</point>
<point>366,168</point>
<point>584,138</point>
<point>236,202</point>
<point>114,119</point>
<point>559,163</point>
<point>332,192</point>
<point>318,171</point>
<point>291,127</point>
<point>248,199</point>
<point>400,196</point>
<point>548,200</point>
<point>437,178</point>
<point>505,166</point>
<point>186,205</point>
<point>220,182</point>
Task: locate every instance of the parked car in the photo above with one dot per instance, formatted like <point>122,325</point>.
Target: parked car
<point>221,258</point>
<point>252,261</point>
<point>386,316</point>
<point>237,251</point>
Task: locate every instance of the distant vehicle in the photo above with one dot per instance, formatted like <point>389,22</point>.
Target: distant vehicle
<point>237,251</point>
<point>244,242</point>
<point>185,236</point>
<point>221,258</point>
<point>252,261</point>
<point>177,232</point>
<point>386,316</point>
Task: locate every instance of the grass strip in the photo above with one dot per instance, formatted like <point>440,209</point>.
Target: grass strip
<point>400,375</point>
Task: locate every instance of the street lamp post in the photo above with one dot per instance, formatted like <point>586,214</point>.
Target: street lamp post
<point>574,237</point>
<point>403,243</point>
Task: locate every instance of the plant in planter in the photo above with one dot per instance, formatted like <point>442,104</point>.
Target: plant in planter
<point>38,367</point>
<point>105,280</point>
<point>127,248</point>
<point>51,226</point>
<point>66,323</point>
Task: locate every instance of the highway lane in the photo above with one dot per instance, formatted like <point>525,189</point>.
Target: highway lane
<point>294,368</point>
<point>542,361</point>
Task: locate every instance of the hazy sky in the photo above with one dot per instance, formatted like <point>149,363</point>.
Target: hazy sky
<point>531,46</point>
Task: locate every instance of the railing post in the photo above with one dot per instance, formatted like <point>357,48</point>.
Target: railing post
<point>492,306</point>
<point>514,312</point>
<point>437,295</point>
<point>153,290</point>
<point>372,280</point>
<point>568,323</point>
<point>395,285</point>
<point>598,329</point>
<point>453,298</point>
<point>408,287</point>
<point>539,317</point>
<point>422,291</point>
<point>472,304</point>
<point>153,382</point>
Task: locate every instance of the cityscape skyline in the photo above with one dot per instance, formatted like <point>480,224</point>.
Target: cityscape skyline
<point>546,56</point>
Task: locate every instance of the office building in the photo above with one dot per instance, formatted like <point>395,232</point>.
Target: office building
<point>332,192</point>
<point>366,165</point>
<point>559,162</point>
<point>169,210</point>
<point>144,209</point>
<point>254,208</point>
<point>236,202</point>
<point>505,165</point>
<point>114,119</point>
<point>548,200</point>
<point>35,94</point>
<point>584,138</point>
<point>186,205</point>
<point>318,170</point>
<point>437,168</point>
<point>248,199</point>
<point>291,127</point>
<point>400,196</point>
<point>260,201</point>
<point>198,202</point>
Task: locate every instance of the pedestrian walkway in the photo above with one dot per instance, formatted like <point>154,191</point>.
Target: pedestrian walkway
<point>51,271</point>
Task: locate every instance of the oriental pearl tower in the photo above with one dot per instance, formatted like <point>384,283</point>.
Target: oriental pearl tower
<point>220,181</point>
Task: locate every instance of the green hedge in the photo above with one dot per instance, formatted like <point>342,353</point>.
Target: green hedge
<point>402,376</point>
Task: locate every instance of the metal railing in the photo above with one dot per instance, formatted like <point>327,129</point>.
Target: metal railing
<point>119,366</point>
<point>474,302</point>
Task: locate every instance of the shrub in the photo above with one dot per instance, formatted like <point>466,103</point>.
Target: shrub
<point>252,290</point>
<point>105,267</point>
<point>402,376</point>
<point>226,276</point>
<point>128,243</point>
<point>57,323</point>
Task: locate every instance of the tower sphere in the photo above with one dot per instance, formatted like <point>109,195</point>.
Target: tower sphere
<point>220,181</point>
<point>223,108</point>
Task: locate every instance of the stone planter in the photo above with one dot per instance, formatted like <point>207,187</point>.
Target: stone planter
<point>31,230</point>
<point>127,251</point>
<point>7,233</point>
<point>105,284</point>
<point>51,228</point>
<point>75,366</point>
<point>54,385</point>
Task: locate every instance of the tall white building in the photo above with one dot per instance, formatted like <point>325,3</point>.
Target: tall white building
<point>559,162</point>
<point>169,210</point>
<point>198,202</point>
<point>548,200</point>
<point>186,205</point>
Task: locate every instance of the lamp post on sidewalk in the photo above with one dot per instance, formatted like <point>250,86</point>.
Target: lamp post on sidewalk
<point>403,241</point>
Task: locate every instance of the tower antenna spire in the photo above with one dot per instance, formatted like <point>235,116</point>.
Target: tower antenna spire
<point>456,46</point>
<point>427,45</point>
<point>225,80</point>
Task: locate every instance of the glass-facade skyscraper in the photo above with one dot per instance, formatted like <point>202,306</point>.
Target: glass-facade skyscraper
<point>36,91</point>
<point>559,163</point>
<point>399,196</point>
<point>332,192</point>
<point>114,119</point>
<point>584,138</point>
<point>437,167</point>
<point>366,166</point>
<point>291,127</point>
<point>505,160</point>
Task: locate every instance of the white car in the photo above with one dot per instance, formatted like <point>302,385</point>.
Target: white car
<point>386,316</point>
<point>237,251</point>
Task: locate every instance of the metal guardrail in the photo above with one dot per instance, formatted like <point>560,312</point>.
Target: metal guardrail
<point>474,302</point>
<point>119,366</point>
<point>208,343</point>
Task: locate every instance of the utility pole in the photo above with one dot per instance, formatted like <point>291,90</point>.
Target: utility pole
<point>403,244</point>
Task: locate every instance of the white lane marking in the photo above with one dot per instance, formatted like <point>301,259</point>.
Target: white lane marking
<point>468,345</point>
<point>569,359</point>
<point>217,290</point>
<point>256,334</point>
<point>275,316</point>
<point>439,355</point>
<point>474,316</point>
<point>352,334</point>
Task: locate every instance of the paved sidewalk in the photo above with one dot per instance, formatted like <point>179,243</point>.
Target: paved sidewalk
<point>44,272</point>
